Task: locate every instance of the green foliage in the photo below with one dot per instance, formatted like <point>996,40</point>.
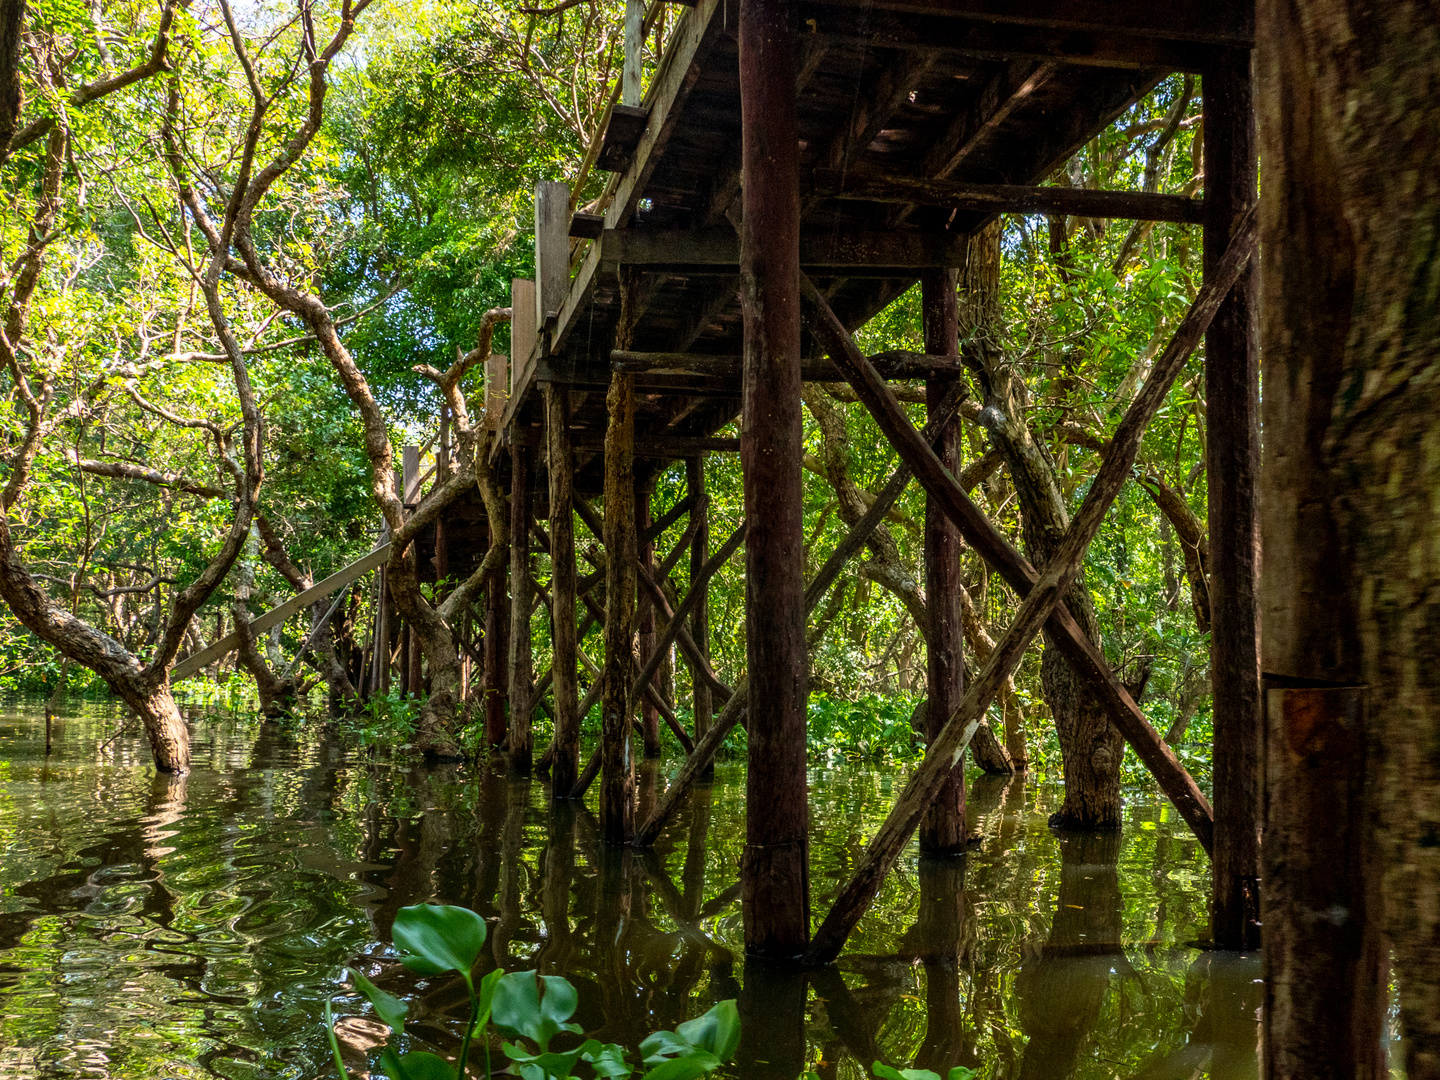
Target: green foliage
<point>874,728</point>
<point>443,938</point>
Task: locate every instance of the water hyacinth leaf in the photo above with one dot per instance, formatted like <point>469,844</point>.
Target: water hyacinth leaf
<point>662,1045</point>
<point>519,1007</point>
<point>487,993</point>
<point>887,1072</point>
<point>388,1007</point>
<point>555,1066</point>
<point>960,1072</point>
<point>439,937</point>
<point>418,1065</point>
<point>606,1059</point>
<point>718,1031</point>
<point>691,1066</point>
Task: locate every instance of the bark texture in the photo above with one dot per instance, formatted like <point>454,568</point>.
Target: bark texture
<point>1350,131</point>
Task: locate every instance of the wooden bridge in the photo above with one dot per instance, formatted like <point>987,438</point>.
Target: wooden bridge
<point>793,168</point>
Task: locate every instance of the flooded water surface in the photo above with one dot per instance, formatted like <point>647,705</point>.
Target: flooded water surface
<point>195,928</point>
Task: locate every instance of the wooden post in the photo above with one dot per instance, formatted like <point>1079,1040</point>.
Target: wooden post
<point>775,868</point>
<point>1233,459</point>
<point>521,602</point>
<point>703,703</point>
<point>943,830</point>
<point>617,769</point>
<point>565,641</point>
<point>552,249</point>
<point>406,687</point>
<point>650,716</point>
<point>495,681</point>
<point>634,52</point>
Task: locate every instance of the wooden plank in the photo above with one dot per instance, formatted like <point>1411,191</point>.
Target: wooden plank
<point>277,615</point>
<point>717,250</point>
<point>893,364</point>
<point>497,387</point>
<point>1009,198</point>
<point>552,248</point>
<point>524,336</point>
<point>622,136</point>
<point>633,54</point>
<point>1213,22</point>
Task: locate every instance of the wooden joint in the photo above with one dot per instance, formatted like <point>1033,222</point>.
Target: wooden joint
<point>622,137</point>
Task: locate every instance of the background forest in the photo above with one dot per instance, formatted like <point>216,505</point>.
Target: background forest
<point>409,214</point>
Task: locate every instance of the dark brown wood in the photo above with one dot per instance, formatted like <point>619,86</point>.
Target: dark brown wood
<point>702,705</point>
<point>716,251</point>
<point>617,784</point>
<point>622,136</point>
<point>1322,885</point>
<point>649,714</point>
<point>943,830</point>
<point>494,674</point>
<point>981,535</point>
<point>661,446</point>
<point>1009,198</point>
<point>522,602</point>
<point>564,636</point>
<point>1232,460</point>
<point>587,226</point>
<point>775,867</point>
<point>405,690</point>
<point>1041,601</point>
<point>893,364</point>
<point>653,531</point>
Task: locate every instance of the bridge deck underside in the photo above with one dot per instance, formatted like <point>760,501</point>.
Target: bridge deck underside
<point>934,89</point>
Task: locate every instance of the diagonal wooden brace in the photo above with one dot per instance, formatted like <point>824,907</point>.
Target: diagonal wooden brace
<point>1043,595</point>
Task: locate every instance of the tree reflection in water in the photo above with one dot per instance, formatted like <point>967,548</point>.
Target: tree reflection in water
<point>149,928</point>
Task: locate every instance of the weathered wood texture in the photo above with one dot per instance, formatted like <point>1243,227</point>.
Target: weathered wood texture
<point>649,714</point>
<point>1041,602</point>
<point>1321,871</point>
<point>943,831</point>
<point>563,634</point>
<point>702,706</point>
<point>495,683</point>
<point>1232,459</point>
<point>775,868</point>
<point>522,602</point>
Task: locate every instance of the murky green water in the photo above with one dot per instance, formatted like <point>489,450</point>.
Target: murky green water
<point>151,928</point>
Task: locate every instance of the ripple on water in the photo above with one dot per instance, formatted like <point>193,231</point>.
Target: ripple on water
<point>195,928</point>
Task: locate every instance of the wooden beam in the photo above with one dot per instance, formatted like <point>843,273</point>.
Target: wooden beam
<point>717,250</point>
<point>1010,198</point>
<point>981,535</point>
<point>564,636</point>
<point>1044,597</point>
<point>1232,459</point>
<point>1229,23</point>
<point>893,364</point>
<point>622,136</point>
<point>279,614</point>
<point>667,446</point>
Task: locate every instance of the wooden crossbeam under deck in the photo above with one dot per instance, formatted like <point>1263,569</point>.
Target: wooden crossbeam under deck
<point>894,364</point>
<point>1009,198</point>
<point>717,250</point>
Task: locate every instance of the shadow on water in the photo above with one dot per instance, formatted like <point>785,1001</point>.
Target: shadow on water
<point>190,928</point>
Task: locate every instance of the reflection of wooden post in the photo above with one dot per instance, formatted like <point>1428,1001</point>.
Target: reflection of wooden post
<point>564,637</point>
<point>650,716</point>
<point>943,830</point>
<point>521,595</point>
<point>775,869</point>
<point>1322,887</point>
<point>938,926</point>
<point>700,620</point>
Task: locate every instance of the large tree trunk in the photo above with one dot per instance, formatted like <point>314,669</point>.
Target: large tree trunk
<point>1350,326</point>
<point>1090,746</point>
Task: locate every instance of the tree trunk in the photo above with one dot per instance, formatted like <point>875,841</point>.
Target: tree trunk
<point>1350,343</point>
<point>1091,748</point>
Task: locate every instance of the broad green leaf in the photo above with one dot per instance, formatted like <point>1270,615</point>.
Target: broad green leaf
<point>691,1066</point>
<point>960,1072</point>
<point>661,1045</point>
<point>607,1060</point>
<point>518,1006</point>
<point>419,1065</point>
<point>718,1031</point>
<point>554,1065</point>
<point>439,937</point>
<point>487,993</point>
<point>886,1072</point>
<point>388,1007</point>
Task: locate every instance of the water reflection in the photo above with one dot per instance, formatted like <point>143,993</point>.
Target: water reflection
<point>194,928</point>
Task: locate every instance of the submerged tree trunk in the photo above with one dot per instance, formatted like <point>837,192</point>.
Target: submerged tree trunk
<point>1090,746</point>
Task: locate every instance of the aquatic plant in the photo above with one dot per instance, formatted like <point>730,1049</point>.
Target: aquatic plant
<point>440,938</point>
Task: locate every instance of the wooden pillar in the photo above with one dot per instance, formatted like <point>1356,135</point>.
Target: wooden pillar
<point>406,687</point>
<point>1233,462</point>
<point>1326,987</point>
<point>495,681</point>
<point>413,657</point>
<point>521,601</point>
<point>650,716</point>
<point>775,868</point>
<point>617,767</point>
<point>703,702</point>
<point>634,47</point>
<point>943,830</point>
<point>564,640</point>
